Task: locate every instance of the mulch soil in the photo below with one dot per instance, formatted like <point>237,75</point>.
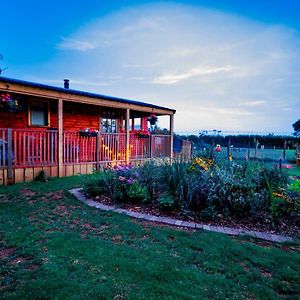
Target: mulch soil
<point>262,222</point>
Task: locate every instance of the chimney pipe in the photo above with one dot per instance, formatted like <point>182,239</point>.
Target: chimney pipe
<point>66,83</point>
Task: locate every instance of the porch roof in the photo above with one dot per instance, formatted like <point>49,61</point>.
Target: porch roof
<point>65,91</point>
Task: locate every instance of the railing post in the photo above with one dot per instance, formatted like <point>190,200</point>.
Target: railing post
<point>98,151</point>
<point>10,176</point>
<point>151,143</point>
<point>60,138</point>
<point>127,136</point>
<point>171,137</point>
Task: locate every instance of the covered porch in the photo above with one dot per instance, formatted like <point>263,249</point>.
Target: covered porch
<point>77,133</point>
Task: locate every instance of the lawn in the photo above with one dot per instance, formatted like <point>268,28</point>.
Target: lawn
<point>54,247</point>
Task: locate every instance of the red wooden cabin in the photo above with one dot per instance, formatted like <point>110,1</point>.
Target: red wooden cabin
<point>67,132</point>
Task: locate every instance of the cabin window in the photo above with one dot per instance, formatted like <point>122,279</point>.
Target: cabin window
<point>39,113</point>
<point>136,124</point>
<point>109,122</point>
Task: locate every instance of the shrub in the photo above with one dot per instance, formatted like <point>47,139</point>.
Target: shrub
<point>149,177</point>
<point>137,193</point>
<point>175,181</point>
<point>271,178</point>
<point>42,176</point>
<point>295,186</point>
<point>283,205</point>
<point>166,202</point>
<point>103,184</point>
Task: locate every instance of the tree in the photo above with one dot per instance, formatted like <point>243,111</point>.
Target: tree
<point>1,69</point>
<point>296,127</point>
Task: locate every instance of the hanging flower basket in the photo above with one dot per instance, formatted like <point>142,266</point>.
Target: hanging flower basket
<point>88,132</point>
<point>8,103</point>
<point>142,134</point>
<point>152,119</point>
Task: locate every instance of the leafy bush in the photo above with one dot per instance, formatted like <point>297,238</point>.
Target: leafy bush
<point>149,177</point>
<point>271,178</point>
<point>103,184</point>
<point>166,202</point>
<point>137,193</point>
<point>42,176</point>
<point>295,186</point>
<point>175,181</point>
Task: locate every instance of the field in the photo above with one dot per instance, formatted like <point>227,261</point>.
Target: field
<point>54,247</point>
<point>262,154</point>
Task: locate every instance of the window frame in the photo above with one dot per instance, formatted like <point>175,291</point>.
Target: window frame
<point>30,103</point>
<point>107,114</point>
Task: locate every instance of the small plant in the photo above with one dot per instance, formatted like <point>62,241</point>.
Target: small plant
<point>137,193</point>
<point>102,185</point>
<point>42,176</point>
<point>282,205</point>
<point>166,202</point>
<point>202,162</point>
<point>295,186</point>
<point>149,177</point>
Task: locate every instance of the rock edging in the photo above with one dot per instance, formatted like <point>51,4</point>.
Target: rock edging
<point>170,221</point>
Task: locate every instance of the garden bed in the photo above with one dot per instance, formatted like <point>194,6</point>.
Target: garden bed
<point>262,222</point>
<point>231,195</point>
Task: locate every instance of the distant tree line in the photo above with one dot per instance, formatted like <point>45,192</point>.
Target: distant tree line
<point>243,141</point>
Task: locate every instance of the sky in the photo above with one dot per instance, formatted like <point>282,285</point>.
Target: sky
<point>230,65</point>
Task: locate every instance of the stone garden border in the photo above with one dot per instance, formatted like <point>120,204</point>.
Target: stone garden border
<point>173,222</point>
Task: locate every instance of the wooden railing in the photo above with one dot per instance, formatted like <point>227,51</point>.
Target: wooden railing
<point>140,147</point>
<point>27,148</point>
<point>160,146</point>
<point>34,147</point>
<point>106,147</point>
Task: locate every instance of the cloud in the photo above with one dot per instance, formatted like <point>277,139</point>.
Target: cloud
<point>252,103</point>
<point>73,44</point>
<point>206,70</point>
<point>217,70</point>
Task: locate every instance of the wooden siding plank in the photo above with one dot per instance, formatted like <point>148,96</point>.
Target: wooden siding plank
<point>69,170</point>
<point>28,174</point>
<point>54,171</point>
<point>19,175</point>
<point>36,171</point>
<point>83,169</point>
<point>89,168</point>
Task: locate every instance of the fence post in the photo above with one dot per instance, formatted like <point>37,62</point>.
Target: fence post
<point>10,154</point>
<point>228,148</point>
<point>256,148</point>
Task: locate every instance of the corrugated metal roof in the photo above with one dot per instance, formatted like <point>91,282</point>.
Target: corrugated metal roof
<point>80,93</point>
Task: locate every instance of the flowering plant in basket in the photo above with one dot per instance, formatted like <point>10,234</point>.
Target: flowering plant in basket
<point>152,119</point>
<point>88,132</point>
<point>142,133</point>
<point>9,104</point>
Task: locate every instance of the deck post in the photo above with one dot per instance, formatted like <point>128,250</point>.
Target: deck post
<point>127,136</point>
<point>10,176</point>
<point>60,138</point>
<point>98,151</point>
<point>171,137</point>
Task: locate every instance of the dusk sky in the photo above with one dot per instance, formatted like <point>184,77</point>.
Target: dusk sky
<point>225,65</point>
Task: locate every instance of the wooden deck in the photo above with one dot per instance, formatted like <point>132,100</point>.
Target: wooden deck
<point>25,152</point>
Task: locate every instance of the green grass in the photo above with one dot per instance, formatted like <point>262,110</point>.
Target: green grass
<point>54,247</point>
<point>295,171</point>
